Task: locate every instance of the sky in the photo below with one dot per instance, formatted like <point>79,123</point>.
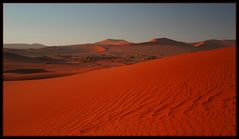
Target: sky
<point>63,24</point>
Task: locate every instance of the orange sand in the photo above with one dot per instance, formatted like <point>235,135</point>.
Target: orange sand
<point>189,94</point>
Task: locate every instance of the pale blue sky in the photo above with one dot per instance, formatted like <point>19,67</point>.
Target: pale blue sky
<point>61,24</point>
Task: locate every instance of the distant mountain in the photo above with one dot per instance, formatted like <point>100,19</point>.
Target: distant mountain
<point>164,42</point>
<point>113,42</point>
<point>24,46</point>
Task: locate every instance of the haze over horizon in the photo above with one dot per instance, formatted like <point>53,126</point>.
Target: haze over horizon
<point>63,24</point>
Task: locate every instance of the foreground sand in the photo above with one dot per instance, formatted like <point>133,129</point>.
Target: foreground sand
<point>189,94</point>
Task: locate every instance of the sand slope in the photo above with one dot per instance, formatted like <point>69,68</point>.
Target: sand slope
<point>189,94</point>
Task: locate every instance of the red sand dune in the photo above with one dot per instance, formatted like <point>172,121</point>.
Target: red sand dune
<point>189,94</point>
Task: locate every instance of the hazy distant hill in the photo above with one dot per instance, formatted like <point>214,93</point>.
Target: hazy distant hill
<point>23,46</point>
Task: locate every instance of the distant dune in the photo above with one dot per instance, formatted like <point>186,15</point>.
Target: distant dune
<point>212,44</point>
<point>162,45</point>
<point>113,42</point>
<point>187,94</point>
<point>166,41</point>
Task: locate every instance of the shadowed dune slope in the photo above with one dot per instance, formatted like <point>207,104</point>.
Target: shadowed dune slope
<point>189,94</point>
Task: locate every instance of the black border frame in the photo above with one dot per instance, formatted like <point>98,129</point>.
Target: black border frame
<point>124,1</point>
